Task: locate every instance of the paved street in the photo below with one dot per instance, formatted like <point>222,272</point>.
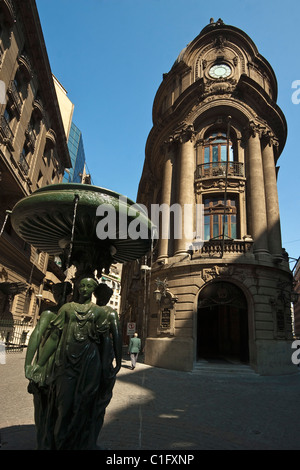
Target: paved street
<point>158,409</point>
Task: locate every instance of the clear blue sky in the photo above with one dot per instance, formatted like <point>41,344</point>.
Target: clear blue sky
<point>110,56</point>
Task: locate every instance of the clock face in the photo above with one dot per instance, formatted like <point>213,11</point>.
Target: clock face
<point>220,71</point>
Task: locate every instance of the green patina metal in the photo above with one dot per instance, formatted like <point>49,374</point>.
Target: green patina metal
<point>75,351</point>
<point>44,219</point>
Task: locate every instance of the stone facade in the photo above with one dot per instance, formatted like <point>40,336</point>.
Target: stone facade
<point>33,153</point>
<point>297,303</point>
<point>217,135</point>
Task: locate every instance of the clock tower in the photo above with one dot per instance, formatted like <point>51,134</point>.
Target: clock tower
<point>222,293</point>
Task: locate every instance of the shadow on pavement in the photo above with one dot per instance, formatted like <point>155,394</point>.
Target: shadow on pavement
<point>156,409</point>
<point>21,437</point>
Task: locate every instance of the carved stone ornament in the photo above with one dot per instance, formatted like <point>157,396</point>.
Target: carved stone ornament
<point>219,86</point>
<point>220,43</point>
<point>219,185</point>
<point>182,135</point>
<point>217,271</point>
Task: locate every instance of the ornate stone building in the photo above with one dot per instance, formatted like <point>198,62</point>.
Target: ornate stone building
<point>217,135</point>
<point>33,153</point>
<point>297,303</point>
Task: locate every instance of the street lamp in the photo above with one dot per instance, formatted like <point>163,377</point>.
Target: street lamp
<point>161,289</point>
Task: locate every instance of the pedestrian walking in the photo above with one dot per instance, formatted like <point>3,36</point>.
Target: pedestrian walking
<point>134,349</point>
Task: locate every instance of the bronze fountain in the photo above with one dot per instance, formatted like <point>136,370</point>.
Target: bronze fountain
<point>74,352</point>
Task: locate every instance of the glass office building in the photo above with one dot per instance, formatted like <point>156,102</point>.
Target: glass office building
<point>77,155</point>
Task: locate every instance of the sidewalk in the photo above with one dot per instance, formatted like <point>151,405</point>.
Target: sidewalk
<point>158,409</point>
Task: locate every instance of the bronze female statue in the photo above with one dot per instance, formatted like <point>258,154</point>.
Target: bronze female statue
<point>85,339</point>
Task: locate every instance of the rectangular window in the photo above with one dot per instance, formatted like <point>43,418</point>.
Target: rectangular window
<point>214,217</point>
<point>206,227</point>
<point>225,225</point>
<point>215,155</point>
<point>223,153</point>
<point>215,226</point>
<point>206,155</point>
<point>233,226</point>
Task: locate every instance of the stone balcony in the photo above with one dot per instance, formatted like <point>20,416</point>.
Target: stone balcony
<point>218,170</point>
<point>215,248</point>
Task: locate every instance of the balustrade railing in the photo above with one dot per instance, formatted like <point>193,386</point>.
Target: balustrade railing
<point>216,247</point>
<point>218,170</point>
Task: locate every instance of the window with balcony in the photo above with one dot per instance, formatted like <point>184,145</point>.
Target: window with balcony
<point>215,149</point>
<point>15,96</point>
<point>214,157</point>
<point>6,133</point>
<point>24,160</point>
<point>214,212</point>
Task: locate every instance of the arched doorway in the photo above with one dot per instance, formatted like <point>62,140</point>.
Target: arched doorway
<point>222,323</point>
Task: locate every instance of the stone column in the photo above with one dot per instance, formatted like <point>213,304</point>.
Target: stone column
<point>186,195</point>
<point>165,203</point>
<point>272,205</point>
<point>257,191</point>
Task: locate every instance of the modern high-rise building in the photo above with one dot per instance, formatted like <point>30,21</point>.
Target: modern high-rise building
<point>76,174</point>
<point>218,284</point>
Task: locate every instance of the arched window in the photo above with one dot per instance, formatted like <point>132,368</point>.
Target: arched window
<point>215,150</point>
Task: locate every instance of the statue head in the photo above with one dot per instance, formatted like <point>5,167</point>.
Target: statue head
<point>60,291</point>
<point>103,293</point>
<point>86,287</point>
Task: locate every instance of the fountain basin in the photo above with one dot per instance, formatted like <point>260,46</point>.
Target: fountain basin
<point>45,220</point>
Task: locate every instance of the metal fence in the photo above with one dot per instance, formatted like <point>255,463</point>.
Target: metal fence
<point>14,335</point>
